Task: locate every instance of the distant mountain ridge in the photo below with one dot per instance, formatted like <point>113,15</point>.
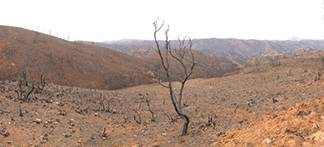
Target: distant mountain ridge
<point>235,50</point>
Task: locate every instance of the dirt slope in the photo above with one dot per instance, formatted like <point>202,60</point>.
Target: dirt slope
<point>68,63</point>
<point>299,125</point>
<point>77,64</point>
<point>71,116</point>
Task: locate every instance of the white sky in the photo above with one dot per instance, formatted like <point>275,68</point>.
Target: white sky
<point>132,19</point>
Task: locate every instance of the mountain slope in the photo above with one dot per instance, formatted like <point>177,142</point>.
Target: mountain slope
<point>206,66</point>
<point>252,47</point>
<point>68,63</point>
<point>79,64</point>
<point>235,50</point>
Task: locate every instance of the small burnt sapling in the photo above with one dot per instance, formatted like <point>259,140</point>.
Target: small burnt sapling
<point>23,84</point>
<point>40,86</point>
<point>149,107</point>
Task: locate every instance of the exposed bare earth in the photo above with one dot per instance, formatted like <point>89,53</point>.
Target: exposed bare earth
<point>71,116</point>
<point>76,64</point>
<point>299,125</point>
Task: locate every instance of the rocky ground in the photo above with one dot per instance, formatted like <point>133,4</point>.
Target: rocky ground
<point>256,106</point>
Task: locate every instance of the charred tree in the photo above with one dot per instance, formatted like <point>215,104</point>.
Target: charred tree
<point>166,53</point>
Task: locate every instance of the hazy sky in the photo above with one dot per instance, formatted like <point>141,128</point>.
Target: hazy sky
<point>132,19</point>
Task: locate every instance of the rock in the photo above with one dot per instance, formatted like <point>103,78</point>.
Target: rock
<point>38,121</point>
<point>249,144</point>
<point>6,134</point>
<point>49,101</point>
<point>63,113</point>
<point>267,141</point>
<point>116,144</point>
<point>67,135</point>
<point>219,134</point>
<point>79,141</point>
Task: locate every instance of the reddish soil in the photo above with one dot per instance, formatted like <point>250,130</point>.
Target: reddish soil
<point>259,99</point>
<point>299,125</point>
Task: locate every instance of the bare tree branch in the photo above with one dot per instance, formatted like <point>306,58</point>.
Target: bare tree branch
<point>179,56</point>
<point>159,82</point>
